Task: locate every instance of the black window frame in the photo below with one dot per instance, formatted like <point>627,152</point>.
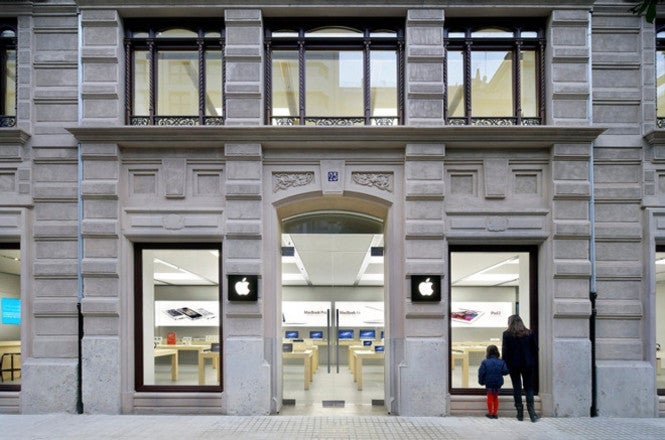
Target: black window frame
<point>516,44</point>
<point>660,47</point>
<point>301,44</point>
<point>152,43</point>
<point>139,385</point>
<point>7,44</point>
<point>660,247</point>
<point>4,386</point>
<point>532,250</point>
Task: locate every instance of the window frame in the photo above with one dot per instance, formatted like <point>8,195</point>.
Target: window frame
<point>660,47</point>
<point>301,43</point>
<point>515,44</point>
<point>139,385</point>
<point>3,385</point>
<point>154,44</point>
<point>533,309</point>
<point>659,249</point>
<point>7,44</point>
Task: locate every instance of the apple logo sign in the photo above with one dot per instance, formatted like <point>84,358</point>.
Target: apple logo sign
<point>426,288</point>
<point>243,287</point>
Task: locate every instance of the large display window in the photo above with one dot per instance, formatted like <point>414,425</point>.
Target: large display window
<point>10,317</point>
<point>660,319</point>
<point>178,311</point>
<point>487,285</point>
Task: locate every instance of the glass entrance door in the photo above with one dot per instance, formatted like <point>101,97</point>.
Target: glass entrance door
<point>332,321</point>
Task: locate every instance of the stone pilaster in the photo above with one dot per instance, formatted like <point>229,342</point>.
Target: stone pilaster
<point>422,390</point>
<point>424,79</point>
<point>567,60</point>
<point>624,88</point>
<point>568,360</point>
<point>49,367</point>
<point>243,56</point>
<point>247,378</point>
<point>100,268</point>
<point>103,66</point>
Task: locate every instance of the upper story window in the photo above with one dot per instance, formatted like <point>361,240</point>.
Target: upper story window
<point>7,74</point>
<point>175,72</point>
<point>334,75</point>
<point>660,73</point>
<point>494,73</point>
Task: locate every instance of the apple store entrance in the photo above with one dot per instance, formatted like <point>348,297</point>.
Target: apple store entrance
<point>332,315</point>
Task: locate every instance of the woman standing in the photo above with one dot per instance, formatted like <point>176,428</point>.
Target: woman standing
<point>519,350</point>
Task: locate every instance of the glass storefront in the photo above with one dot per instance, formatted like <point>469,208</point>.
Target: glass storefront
<point>10,316</point>
<point>660,319</point>
<point>178,309</point>
<point>486,287</point>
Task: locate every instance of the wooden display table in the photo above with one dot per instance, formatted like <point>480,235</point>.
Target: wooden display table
<point>306,357</point>
<point>214,357</point>
<point>12,350</point>
<point>194,347</point>
<point>359,356</point>
<point>173,353</point>
<point>461,351</point>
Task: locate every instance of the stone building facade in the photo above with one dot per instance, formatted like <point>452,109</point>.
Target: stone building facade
<point>80,187</point>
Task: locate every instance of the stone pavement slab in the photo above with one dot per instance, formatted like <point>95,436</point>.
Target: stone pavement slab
<point>166,427</point>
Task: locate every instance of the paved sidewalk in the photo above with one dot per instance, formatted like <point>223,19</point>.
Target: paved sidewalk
<point>165,427</point>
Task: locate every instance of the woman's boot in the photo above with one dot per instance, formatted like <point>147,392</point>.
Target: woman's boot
<point>520,412</point>
<point>532,412</point>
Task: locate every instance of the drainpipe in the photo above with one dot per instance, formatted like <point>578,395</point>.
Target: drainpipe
<point>79,259</point>
<point>592,245</point>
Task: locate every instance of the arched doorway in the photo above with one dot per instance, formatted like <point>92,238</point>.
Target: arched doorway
<point>333,324</point>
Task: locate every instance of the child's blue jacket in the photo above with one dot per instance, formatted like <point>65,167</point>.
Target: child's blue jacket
<point>491,372</point>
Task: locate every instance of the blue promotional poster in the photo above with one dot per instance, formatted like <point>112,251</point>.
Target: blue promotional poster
<point>10,311</point>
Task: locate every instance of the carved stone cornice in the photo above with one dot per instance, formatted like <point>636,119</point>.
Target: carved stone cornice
<point>314,137</point>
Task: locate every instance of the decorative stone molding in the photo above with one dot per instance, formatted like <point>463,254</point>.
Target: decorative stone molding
<point>382,181</point>
<point>497,224</point>
<point>284,181</point>
<point>173,222</point>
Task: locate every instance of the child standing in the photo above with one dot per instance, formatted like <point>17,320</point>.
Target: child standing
<point>490,374</point>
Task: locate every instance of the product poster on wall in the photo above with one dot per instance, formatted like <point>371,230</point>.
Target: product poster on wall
<point>305,313</point>
<point>10,310</point>
<point>186,313</point>
<point>480,314</point>
<point>360,313</point>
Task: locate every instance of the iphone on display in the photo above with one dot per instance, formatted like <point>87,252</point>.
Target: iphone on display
<point>206,314</point>
<point>174,314</point>
<point>190,313</point>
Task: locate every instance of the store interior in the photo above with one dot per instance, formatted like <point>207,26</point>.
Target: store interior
<point>10,317</point>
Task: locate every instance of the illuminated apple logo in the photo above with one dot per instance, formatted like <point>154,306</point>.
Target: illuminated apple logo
<point>242,287</point>
<point>425,288</point>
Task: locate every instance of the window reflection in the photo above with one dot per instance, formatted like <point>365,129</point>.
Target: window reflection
<point>9,83</point>
<point>660,83</point>
<point>529,84</point>
<point>8,76</point>
<point>285,83</point>
<point>332,85</point>
<point>455,84</point>
<point>177,75</point>
<point>491,83</point>
<point>485,86</point>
